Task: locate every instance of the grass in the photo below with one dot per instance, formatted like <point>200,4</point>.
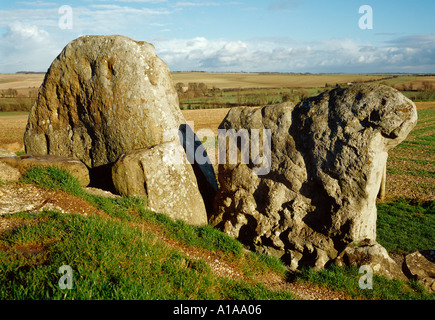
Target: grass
<point>53,178</point>
<point>204,237</point>
<point>411,165</point>
<point>112,259</point>
<point>346,280</point>
<point>411,171</point>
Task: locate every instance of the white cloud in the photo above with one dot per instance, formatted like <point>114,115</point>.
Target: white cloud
<point>333,55</point>
<point>39,17</point>
<point>27,33</point>
<point>26,47</point>
<point>34,41</point>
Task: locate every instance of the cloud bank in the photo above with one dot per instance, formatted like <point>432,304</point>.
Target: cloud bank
<point>406,54</point>
<point>30,38</point>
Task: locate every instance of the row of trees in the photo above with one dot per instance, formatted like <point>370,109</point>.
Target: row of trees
<point>9,93</point>
<point>13,93</point>
<point>198,95</point>
<point>426,86</point>
<point>17,101</point>
<point>17,104</point>
<point>195,90</point>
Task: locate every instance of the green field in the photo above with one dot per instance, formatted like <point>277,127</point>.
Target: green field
<point>411,165</point>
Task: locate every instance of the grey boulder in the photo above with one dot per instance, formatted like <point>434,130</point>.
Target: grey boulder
<point>162,175</point>
<point>327,161</point>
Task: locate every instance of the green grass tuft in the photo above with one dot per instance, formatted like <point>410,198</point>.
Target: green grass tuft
<point>263,263</point>
<point>205,237</point>
<point>53,178</point>
<point>346,279</point>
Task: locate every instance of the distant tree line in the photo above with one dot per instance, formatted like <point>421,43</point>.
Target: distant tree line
<point>195,90</point>
<point>13,93</point>
<point>9,93</point>
<point>12,100</point>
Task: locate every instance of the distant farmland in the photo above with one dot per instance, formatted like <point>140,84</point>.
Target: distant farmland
<point>270,80</point>
<point>201,90</point>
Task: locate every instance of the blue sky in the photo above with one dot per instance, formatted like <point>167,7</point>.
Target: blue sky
<point>256,35</point>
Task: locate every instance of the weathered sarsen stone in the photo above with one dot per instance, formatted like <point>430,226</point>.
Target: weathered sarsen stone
<point>103,96</point>
<point>420,266</point>
<point>328,156</point>
<point>370,253</point>
<point>162,175</point>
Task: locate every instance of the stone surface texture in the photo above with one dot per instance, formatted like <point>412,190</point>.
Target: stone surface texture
<point>420,266</point>
<point>168,184</point>
<point>110,99</point>
<point>103,96</point>
<point>328,156</point>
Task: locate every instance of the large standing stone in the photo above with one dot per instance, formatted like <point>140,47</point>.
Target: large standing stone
<point>328,156</point>
<point>103,96</point>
